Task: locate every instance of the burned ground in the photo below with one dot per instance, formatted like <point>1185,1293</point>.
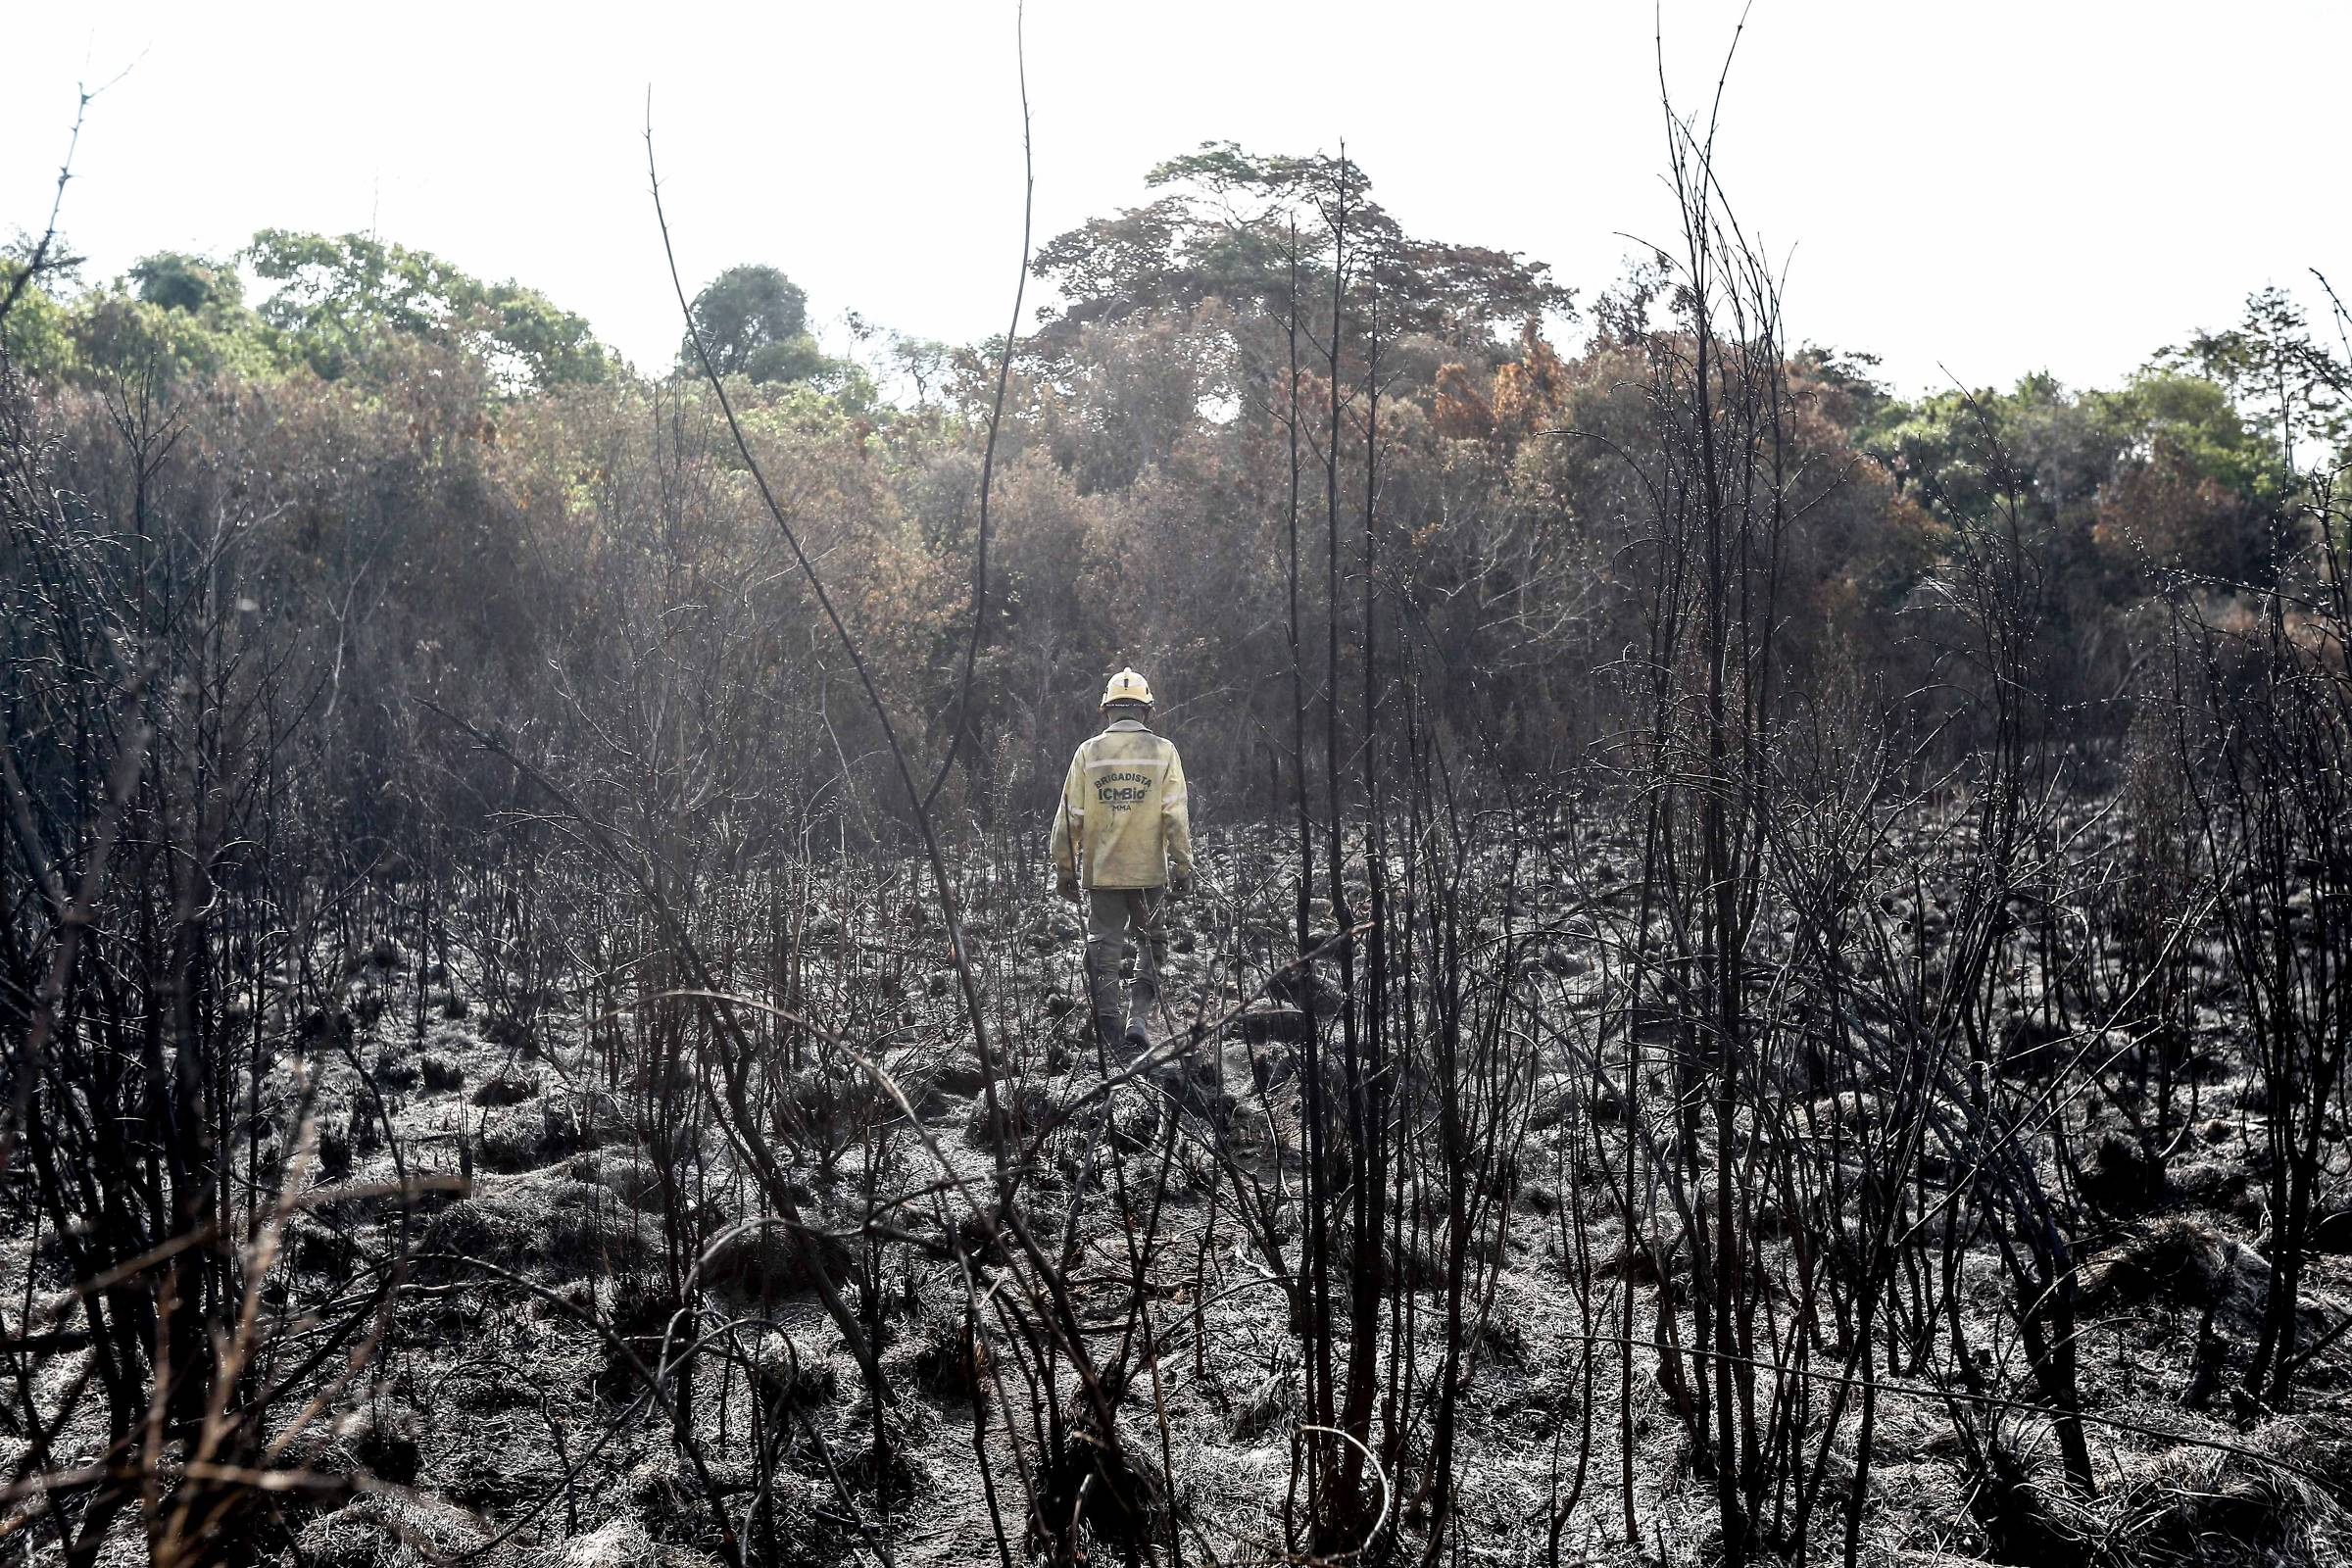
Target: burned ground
<point>611,1349</point>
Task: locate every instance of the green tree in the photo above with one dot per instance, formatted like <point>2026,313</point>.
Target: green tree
<point>1220,229</point>
<point>2295,389</point>
<point>2170,473</point>
<point>755,322</point>
<point>115,333</point>
<point>179,281</point>
<point>339,298</point>
<point>33,328</point>
<point>34,334</point>
<point>2197,482</point>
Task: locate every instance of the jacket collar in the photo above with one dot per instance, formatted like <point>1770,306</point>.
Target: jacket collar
<point>1126,727</point>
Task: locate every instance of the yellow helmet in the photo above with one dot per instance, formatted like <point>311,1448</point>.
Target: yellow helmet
<point>1127,687</point>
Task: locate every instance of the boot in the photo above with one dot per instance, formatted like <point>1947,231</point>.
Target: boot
<point>1141,999</point>
<point>1103,991</point>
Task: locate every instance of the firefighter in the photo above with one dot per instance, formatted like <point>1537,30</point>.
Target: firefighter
<point>1123,842</point>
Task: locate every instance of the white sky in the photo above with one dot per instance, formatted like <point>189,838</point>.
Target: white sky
<point>1992,187</point>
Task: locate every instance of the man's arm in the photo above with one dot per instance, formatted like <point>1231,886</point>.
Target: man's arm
<point>1069,822</point>
<point>1176,825</point>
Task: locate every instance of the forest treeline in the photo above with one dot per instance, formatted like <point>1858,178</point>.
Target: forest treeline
<point>467,494</point>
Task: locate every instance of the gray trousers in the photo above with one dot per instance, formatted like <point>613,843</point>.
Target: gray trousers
<point>1114,918</point>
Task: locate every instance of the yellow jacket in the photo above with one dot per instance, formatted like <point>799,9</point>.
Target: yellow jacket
<point>1123,822</point>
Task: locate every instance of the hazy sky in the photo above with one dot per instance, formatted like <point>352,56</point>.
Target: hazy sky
<point>1990,187</point>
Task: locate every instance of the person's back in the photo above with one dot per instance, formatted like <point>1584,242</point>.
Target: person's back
<point>1122,833</point>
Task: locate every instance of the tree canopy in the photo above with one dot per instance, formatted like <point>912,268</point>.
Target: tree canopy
<point>1223,229</point>
<point>753,321</point>
<point>339,298</point>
